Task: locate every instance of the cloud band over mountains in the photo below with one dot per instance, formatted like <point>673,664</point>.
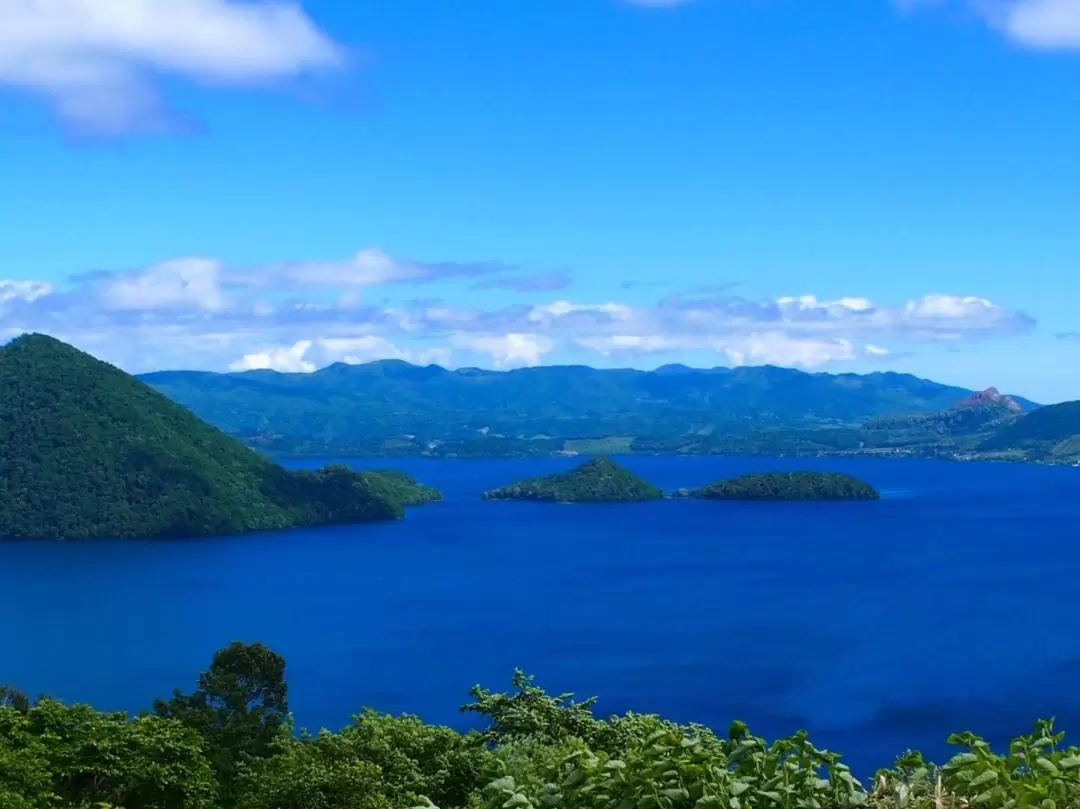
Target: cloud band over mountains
<point>201,312</point>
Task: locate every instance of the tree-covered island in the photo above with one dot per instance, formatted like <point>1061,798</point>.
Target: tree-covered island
<point>91,452</point>
<point>600,480</point>
<point>787,486</point>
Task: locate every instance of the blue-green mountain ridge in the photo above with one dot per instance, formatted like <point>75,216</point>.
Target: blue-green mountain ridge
<point>391,407</point>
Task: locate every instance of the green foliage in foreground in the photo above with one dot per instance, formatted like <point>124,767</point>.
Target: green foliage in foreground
<point>788,486</point>
<point>230,745</point>
<point>89,451</point>
<point>597,481</point>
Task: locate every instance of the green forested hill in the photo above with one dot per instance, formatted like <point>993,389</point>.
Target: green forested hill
<point>597,481</point>
<point>89,451</point>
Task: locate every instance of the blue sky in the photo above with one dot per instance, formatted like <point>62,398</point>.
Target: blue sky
<point>844,185</point>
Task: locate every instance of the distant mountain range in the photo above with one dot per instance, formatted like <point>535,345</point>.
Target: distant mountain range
<point>391,407</point>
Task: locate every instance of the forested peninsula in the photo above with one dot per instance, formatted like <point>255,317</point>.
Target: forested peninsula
<point>230,744</point>
<point>787,486</point>
<point>600,480</point>
<point>92,452</point>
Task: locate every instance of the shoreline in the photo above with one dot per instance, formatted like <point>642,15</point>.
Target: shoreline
<point>882,455</point>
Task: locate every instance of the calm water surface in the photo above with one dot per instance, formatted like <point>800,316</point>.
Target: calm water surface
<point>950,604</point>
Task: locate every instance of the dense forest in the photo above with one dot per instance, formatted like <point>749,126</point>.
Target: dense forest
<point>230,743</point>
<point>600,480</point>
<point>89,451</point>
<point>788,486</point>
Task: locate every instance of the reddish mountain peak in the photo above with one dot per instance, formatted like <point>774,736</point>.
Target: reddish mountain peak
<point>990,396</point>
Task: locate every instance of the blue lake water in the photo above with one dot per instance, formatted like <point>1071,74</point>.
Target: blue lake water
<point>950,604</point>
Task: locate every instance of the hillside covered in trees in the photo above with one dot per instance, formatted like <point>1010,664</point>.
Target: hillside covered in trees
<point>600,480</point>
<point>89,451</point>
<point>229,744</point>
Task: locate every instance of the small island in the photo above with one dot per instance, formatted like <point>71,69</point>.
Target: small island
<point>597,481</point>
<point>786,486</point>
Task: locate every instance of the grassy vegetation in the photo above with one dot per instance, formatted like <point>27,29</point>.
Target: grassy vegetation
<point>596,481</point>
<point>230,744</point>
<point>89,451</point>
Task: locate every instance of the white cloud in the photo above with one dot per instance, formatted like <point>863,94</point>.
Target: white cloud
<point>355,350</point>
<point>811,303</point>
<point>23,290</point>
<point>635,344</point>
<point>366,268</point>
<point>506,350</point>
<point>202,282</point>
<point>1045,23</point>
<point>1039,24</point>
<point>547,312</point>
<point>289,359</point>
<point>95,60</point>
<point>779,349</point>
<point>177,283</point>
<point>949,306</point>
<point>305,356</point>
<point>201,312</point>
<point>953,317</point>
<point>770,348</point>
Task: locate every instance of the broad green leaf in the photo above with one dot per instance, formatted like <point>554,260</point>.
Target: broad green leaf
<point>504,784</point>
<point>1046,765</point>
<point>988,777</point>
